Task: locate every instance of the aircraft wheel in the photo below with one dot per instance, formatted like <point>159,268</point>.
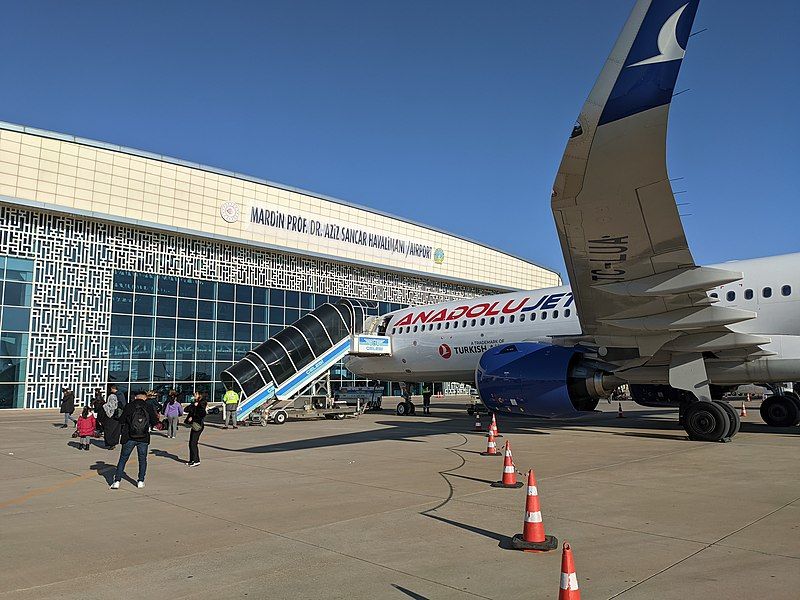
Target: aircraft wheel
<point>796,399</point>
<point>734,422</point>
<point>280,417</point>
<point>705,421</point>
<point>780,411</point>
<point>402,409</point>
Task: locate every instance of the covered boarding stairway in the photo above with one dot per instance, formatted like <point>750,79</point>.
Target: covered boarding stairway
<point>295,358</point>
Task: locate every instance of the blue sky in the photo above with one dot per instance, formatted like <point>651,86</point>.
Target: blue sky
<point>453,113</point>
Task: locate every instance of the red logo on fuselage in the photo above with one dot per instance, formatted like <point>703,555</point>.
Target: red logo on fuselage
<point>445,352</point>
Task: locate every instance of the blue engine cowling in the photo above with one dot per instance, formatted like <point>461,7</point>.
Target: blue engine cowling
<point>540,380</point>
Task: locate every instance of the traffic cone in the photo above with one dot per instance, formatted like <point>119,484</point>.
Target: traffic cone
<point>743,412</point>
<point>533,538</point>
<point>509,472</point>
<point>568,590</point>
<point>620,414</point>
<point>478,426</point>
<point>491,447</point>
<point>493,427</point>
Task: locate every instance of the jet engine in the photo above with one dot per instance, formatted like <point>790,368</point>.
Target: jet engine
<point>541,380</point>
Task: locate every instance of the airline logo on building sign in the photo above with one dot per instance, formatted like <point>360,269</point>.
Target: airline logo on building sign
<point>487,309</point>
<point>305,226</point>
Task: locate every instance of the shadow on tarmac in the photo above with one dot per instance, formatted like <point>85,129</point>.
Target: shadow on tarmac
<point>409,593</point>
<point>504,541</point>
<point>405,429</point>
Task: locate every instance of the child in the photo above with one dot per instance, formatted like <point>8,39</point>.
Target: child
<point>173,410</point>
<point>86,424</point>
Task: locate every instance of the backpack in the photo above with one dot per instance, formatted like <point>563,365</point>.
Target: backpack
<point>140,422</point>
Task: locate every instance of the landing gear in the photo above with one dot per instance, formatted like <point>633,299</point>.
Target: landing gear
<point>707,422</point>
<point>406,408</point>
<point>734,422</point>
<point>781,411</point>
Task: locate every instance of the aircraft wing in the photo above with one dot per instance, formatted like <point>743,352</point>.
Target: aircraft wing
<point>635,282</point>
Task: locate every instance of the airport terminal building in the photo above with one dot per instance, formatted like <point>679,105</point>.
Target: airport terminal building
<point>124,266</point>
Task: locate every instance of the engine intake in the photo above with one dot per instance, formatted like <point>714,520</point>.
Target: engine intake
<point>541,380</point>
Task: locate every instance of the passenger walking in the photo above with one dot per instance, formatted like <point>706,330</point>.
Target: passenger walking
<point>86,424</point>
<point>172,410</point>
<point>231,400</point>
<point>67,406</point>
<point>196,412</point>
<point>152,400</point>
<point>137,418</point>
<point>97,408</point>
<point>110,416</point>
<point>426,400</point>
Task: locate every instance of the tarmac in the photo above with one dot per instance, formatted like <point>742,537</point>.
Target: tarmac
<point>401,507</point>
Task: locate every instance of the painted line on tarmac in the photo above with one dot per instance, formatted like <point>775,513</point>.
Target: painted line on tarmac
<point>706,547</point>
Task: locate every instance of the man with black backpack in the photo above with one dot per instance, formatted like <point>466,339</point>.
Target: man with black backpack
<point>137,418</point>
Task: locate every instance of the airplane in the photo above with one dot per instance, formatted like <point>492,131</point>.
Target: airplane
<point>639,310</point>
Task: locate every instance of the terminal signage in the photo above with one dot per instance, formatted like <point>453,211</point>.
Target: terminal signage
<point>372,344</point>
<point>303,226</point>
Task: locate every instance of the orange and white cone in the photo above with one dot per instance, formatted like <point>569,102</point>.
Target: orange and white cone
<point>491,447</point>
<point>533,538</point>
<point>568,590</point>
<point>478,426</point>
<point>509,472</point>
<point>493,427</point>
<point>620,414</point>
<point>743,412</point>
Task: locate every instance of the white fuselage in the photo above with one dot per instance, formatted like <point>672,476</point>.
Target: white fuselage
<point>444,342</point>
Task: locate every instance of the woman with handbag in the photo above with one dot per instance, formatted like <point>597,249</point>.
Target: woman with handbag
<point>195,419</point>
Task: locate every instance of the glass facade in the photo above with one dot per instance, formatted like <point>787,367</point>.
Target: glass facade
<point>175,332</point>
<point>16,275</point>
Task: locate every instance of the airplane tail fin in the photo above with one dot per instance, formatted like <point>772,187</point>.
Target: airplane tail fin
<point>612,184</point>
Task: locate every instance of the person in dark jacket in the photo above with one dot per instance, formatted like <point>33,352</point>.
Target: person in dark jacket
<point>97,408</point>
<point>196,416</point>
<point>137,418</point>
<point>67,406</point>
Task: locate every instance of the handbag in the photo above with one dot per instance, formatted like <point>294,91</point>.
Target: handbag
<point>196,426</point>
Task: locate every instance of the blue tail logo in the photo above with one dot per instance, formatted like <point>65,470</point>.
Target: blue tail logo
<point>655,57</point>
<point>668,46</point>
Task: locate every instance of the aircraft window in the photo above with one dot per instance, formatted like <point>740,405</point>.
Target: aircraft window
<point>567,313</point>
<point>502,320</point>
<point>455,324</point>
<point>544,316</point>
<point>510,319</point>
<point>408,329</point>
<point>521,318</point>
<point>447,325</point>
<point>767,292</point>
<point>415,329</point>
<point>474,321</point>
<point>430,327</point>
<point>555,314</point>
<point>464,323</point>
<point>748,294</point>
<point>438,327</point>
<point>393,330</point>
<point>714,295</point>
<point>730,296</point>
<point>533,316</point>
<point>483,322</point>
<point>491,321</point>
<point>786,290</point>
